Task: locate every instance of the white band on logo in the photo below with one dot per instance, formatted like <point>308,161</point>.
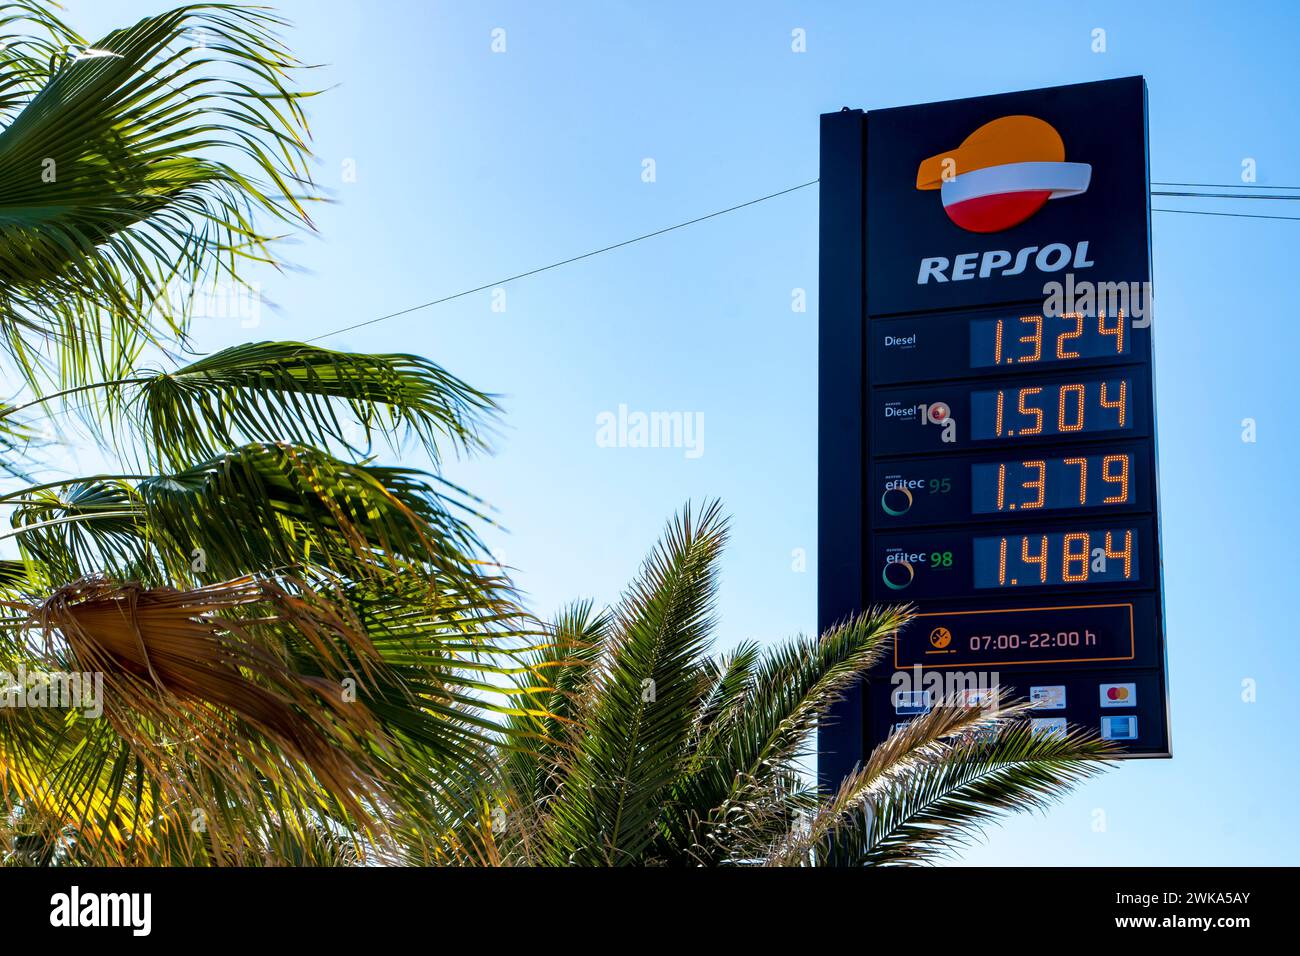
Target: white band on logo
<point>1063,179</point>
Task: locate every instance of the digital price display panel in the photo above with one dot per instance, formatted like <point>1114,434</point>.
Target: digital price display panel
<point>960,489</point>
<point>997,341</point>
<point>962,416</point>
<point>968,563</point>
<point>987,415</point>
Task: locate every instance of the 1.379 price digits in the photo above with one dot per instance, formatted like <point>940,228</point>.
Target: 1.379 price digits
<point>1081,481</point>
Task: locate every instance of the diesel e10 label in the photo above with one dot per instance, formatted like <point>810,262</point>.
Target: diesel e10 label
<point>987,415</point>
<point>1027,410</point>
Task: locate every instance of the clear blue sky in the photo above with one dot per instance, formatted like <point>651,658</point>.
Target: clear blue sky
<point>472,165</point>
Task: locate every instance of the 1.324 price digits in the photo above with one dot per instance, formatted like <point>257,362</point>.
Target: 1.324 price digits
<point>1030,339</point>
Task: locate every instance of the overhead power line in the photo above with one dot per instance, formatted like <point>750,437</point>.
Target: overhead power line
<point>1226,185</point>
<point>784,192</point>
<point>1233,215</point>
<point>763,199</point>
<point>564,262</point>
<point>1227,195</point>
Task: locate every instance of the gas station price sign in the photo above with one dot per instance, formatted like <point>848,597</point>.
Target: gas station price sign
<point>987,447</point>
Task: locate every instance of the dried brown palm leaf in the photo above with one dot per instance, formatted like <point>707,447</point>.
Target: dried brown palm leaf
<point>198,686</point>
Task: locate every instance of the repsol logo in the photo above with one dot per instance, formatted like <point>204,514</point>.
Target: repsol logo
<point>1001,262</point>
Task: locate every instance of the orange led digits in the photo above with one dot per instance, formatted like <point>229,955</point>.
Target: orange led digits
<point>1126,554</point>
<point>1039,559</point>
<point>1035,338</point>
<point>1083,477</point>
<point>1068,409</point>
<point>1120,479</point>
<point>1037,428</point>
<point>1070,557</point>
<point>1044,338</point>
<point>1056,558</point>
<point>1061,352</point>
<point>1121,404</point>
<point>1117,331</point>
<point>1038,484</point>
<point>1078,392</point>
<point>1043,484</point>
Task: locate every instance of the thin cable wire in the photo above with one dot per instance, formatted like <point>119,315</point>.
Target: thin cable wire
<point>1226,185</point>
<point>562,262</point>
<point>1233,215</point>
<point>1226,195</point>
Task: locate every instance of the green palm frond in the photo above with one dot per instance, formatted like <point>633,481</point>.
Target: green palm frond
<point>792,686</point>
<point>266,505</point>
<point>19,445</point>
<point>286,391</point>
<point>14,575</point>
<point>554,688</point>
<point>25,56</point>
<point>738,764</point>
<point>726,682</point>
<point>134,165</point>
<point>78,527</point>
<point>938,792</point>
<point>260,507</point>
<point>634,740</point>
<point>707,769</point>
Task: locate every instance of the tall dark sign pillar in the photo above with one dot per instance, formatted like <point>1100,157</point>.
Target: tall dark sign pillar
<point>987,423</point>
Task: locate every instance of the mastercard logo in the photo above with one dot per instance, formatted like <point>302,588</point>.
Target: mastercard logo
<point>1117,693</point>
<point>1003,173</point>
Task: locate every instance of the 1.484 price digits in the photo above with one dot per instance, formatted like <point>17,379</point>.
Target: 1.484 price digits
<point>1077,557</point>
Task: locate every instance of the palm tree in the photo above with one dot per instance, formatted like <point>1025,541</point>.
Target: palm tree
<point>300,648</point>
<point>651,752</point>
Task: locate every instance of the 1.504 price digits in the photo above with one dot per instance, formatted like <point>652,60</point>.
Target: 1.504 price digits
<point>1036,410</point>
